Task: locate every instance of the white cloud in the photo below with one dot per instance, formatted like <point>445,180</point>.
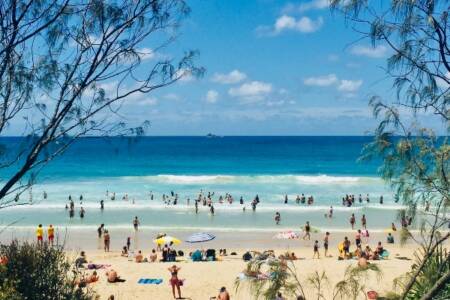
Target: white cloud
<point>310,5</point>
<point>183,75</point>
<point>146,53</point>
<point>212,96</point>
<point>326,80</point>
<point>234,76</point>
<point>142,100</point>
<point>304,24</point>
<point>442,83</point>
<point>252,90</point>
<point>368,51</point>
<point>349,86</point>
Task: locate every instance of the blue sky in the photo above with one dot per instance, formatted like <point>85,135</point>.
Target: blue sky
<point>273,67</point>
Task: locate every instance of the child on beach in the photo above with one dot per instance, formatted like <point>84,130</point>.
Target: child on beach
<point>316,249</point>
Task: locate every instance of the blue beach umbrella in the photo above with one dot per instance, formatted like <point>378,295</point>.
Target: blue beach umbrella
<point>200,237</point>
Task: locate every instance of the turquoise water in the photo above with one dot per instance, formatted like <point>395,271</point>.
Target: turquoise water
<point>325,167</point>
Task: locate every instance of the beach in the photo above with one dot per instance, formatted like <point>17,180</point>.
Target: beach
<point>204,279</point>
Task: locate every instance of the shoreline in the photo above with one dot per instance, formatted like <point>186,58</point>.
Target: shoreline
<point>77,240</point>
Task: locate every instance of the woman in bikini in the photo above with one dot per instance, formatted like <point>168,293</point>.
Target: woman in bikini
<point>174,281</point>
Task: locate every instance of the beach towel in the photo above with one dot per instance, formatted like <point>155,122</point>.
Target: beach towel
<point>384,254</point>
<point>150,281</point>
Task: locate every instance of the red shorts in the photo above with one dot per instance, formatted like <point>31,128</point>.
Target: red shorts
<point>51,237</point>
<point>39,238</point>
<point>174,281</point>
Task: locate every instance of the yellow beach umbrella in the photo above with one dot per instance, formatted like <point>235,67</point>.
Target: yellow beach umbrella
<point>167,240</point>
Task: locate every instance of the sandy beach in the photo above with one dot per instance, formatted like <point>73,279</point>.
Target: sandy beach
<point>204,279</point>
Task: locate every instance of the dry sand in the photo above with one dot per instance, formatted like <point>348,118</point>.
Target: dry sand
<point>204,279</point>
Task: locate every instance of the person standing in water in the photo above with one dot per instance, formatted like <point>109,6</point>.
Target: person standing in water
<point>381,199</point>
<point>82,212</point>
<point>102,204</point>
<point>277,218</point>
<point>352,221</point>
<point>136,223</point>
<point>100,230</point>
<point>196,206</point>
<point>286,199</point>
<point>364,221</point>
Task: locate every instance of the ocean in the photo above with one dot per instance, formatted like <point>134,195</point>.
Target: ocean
<point>325,167</point>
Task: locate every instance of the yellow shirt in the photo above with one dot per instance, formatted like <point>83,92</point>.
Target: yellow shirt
<point>51,231</point>
<point>40,232</point>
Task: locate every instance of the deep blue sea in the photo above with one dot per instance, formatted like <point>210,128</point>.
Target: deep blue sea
<point>272,167</point>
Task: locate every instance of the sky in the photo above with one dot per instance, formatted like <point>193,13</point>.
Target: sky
<point>273,67</point>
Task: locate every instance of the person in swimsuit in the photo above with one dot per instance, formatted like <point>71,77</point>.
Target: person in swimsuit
<point>106,240</point>
<point>316,249</point>
<point>326,242</point>
<point>174,281</point>
<point>307,231</point>
<point>364,221</point>
<point>358,238</point>
<point>223,294</point>
<point>352,221</point>
<point>346,244</point>
<point>277,218</point>
<point>136,223</point>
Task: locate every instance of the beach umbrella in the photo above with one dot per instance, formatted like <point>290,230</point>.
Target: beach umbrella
<point>286,235</point>
<point>200,237</point>
<point>167,240</point>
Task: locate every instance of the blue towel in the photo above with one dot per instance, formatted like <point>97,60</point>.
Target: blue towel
<point>150,281</point>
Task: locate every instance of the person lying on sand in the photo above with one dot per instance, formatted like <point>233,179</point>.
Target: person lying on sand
<point>86,280</point>
<point>113,277</point>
